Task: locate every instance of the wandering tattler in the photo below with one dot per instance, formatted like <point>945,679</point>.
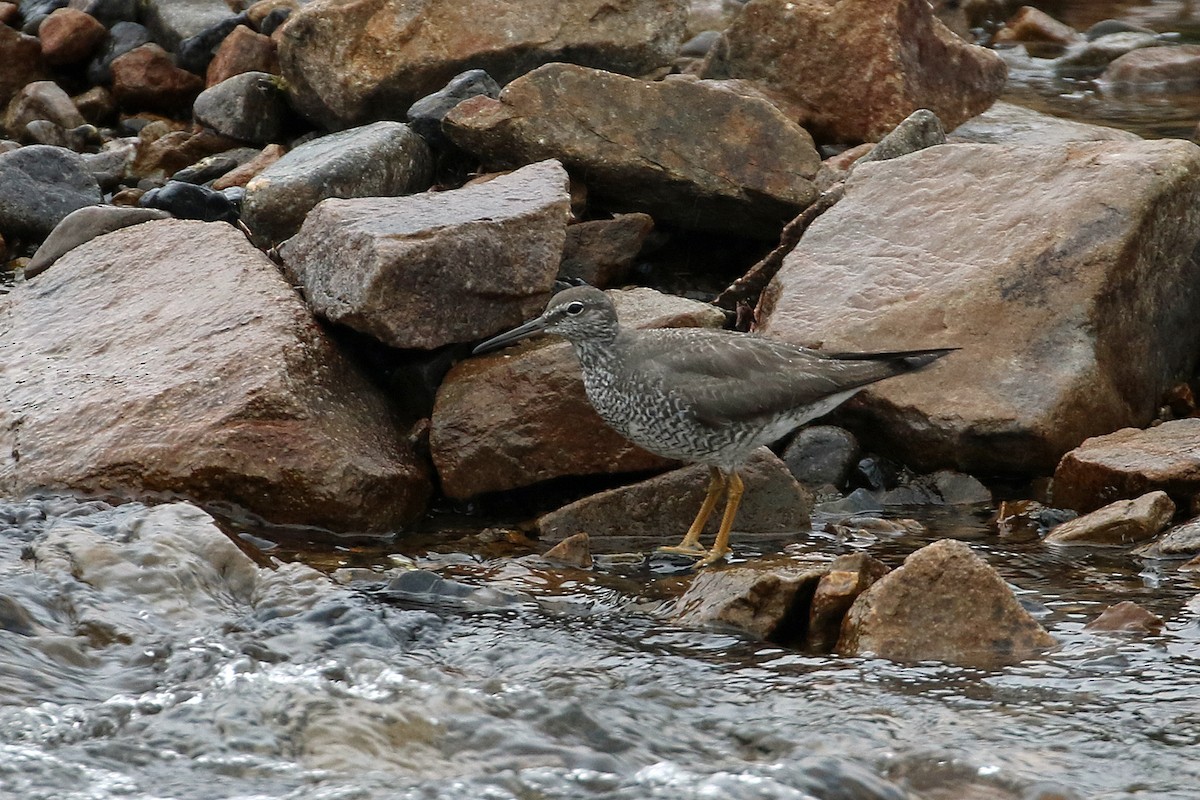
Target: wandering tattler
<point>703,395</point>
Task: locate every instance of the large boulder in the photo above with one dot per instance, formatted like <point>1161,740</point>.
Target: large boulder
<point>352,61</point>
<point>196,371</point>
<point>712,159</point>
<point>1065,273</point>
<point>946,604</point>
<point>859,67</point>
<point>520,416</point>
<point>430,269</point>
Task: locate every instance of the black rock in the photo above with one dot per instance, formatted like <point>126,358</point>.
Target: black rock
<point>189,201</point>
<point>123,37</point>
<point>425,116</point>
<point>42,185</point>
<point>273,20</point>
<point>195,52</point>
<point>822,454</point>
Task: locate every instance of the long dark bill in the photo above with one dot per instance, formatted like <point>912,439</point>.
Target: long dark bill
<point>530,328</point>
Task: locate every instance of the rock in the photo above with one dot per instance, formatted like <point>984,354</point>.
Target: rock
<point>189,201</point>
<point>944,487</point>
<point>765,603</point>
<point>109,12</point>
<point>601,252</point>
<point>259,11</point>
<point>69,36</point>
<point>574,551</point>
<point>430,269</point>
<point>82,226</point>
<point>210,168</point>
<point>917,131</point>
<point>425,116</point>
<point>846,578</point>
<point>34,12</point>
<point>159,158</point>
<point>1006,123</point>
<point>145,78</point>
<point>1192,566</point>
<point>21,56</point>
<point>1129,463</point>
<point>1091,57</point>
<point>1125,617</point>
<point>42,184</point>
<point>1033,25</point>
<point>945,604</point>
<point>383,159</point>
<point>110,165</point>
<point>274,20</point>
<point>346,64</point>
<point>520,416</point>
<point>242,51</point>
<point>1121,523</point>
<point>196,371</point>
<point>41,100</point>
<point>1028,520</point>
<point>866,64</point>
<point>196,51</point>
<point>870,528</point>
<point>750,180</point>
<point>822,455</point>
<point>240,176</point>
<point>1182,540</point>
<point>96,105</point>
<point>1044,329</point>
<point>172,21</point>
<point>251,107</point>
<point>1163,69</point>
<point>122,38</point>
<point>662,507</point>
<point>859,501</point>
<point>9,14</point>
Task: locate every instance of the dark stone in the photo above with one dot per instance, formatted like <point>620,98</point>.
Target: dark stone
<point>194,52</point>
<point>171,22</point>
<point>274,20</point>
<point>822,454</point>
<point>123,37</point>
<point>425,116</point>
<point>209,169</point>
<point>189,201</point>
<point>919,130</point>
<point>42,185</point>
<point>601,252</point>
<point>34,11</point>
<point>111,12</point>
<point>251,107</point>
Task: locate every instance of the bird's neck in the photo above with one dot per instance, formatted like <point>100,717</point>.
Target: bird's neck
<point>594,352</point>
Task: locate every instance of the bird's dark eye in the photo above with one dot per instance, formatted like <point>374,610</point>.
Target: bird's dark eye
<point>575,308</point>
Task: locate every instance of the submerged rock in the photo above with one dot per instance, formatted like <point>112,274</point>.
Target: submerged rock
<point>574,551</point>
<point>1007,123</point>
<point>945,604</point>
<point>1121,523</point>
<point>1125,617</point>
<point>1155,69</point>
<point>766,603</point>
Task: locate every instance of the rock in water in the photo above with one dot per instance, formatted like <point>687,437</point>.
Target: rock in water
<point>1124,522</point>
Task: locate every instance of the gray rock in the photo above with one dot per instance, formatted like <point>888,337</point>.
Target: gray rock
<point>944,487</point>
<point>857,502</point>
<point>919,130</point>
<point>699,45</point>
<point>34,11</point>
<point>210,168</point>
<point>601,252</point>
<point>251,107</point>
<point>822,454</point>
<point>172,21</point>
<point>1121,523</point>
<point>42,184</point>
<point>426,115</point>
<point>110,165</point>
<point>383,159</point>
<point>123,37</point>
<point>1006,123</point>
<point>83,226</point>
<point>1091,57</point>
<point>196,51</point>
<point>429,269</point>
<point>110,12</point>
<point>1182,540</point>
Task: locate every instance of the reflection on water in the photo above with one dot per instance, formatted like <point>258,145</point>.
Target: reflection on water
<point>236,681</point>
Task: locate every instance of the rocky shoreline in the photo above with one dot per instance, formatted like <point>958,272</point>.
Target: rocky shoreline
<point>247,250</point>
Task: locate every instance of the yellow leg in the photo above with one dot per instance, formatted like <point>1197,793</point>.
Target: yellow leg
<point>691,541</point>
<point>734,499</point>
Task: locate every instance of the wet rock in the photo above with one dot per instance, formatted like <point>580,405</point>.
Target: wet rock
<point>122,38</point>
<point>227,390</point>
<point>1155,69</point>
<point>1182,540</point>
<point>664,506</point>
<point>426,115</point>
<point>1006,123</point>
<point>242,51</point>
<point>347,64</point>
<point>240,176</point>
<point>919,130</point>
<point>862,526</point>
<point>70,36</point>
<point>822,455</point>
<point>750,180</point>
<point>1121,523</point>
<point>857,502</point>
<point>43,100</point>
<point>21,56</point>
<point>846,578</point>
<point>1034,25</point>
<point>1125,617</point>
<point>574,551</point>
<point>890,59</point>
<point>1044,331</point>
<point>1027,520</point>
<point>172,21</point>
<point>766,603</point>
<point>601,252</point>
<point>1129,463</point>
<point>944,487</point>
<point>430,269</point>
<point>1091,57</point>
<point>384,159</point>
<point>520,416</point>
<point>196,51</point>
<point>146,78</point>
<point>82,226</point>
<point>251,107</point>
<point>189,201</point>
<point>158,158</point>
<point>42,184</point>
<point>945,604</point>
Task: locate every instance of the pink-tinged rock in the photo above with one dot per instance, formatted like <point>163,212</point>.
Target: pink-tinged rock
<point>859,66</point>
<point>70,36</point>
<point>21,56</point>
<point>243,50</point>
<point>1124,522</point>
<point>43,100</point>
<point>196,371</point>
<point>1155,69</point>
<point>574,551</point>
<point>146,79</point>
<point>240,176</point>
<point>1125,617</point>
<point>1030,24</point>
<point>847,577</point>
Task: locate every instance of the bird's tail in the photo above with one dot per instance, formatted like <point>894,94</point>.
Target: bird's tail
<point>913,359</point>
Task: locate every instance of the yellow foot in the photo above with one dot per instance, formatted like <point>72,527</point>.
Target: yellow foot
<point>694,550</point>
<point>712,557</point>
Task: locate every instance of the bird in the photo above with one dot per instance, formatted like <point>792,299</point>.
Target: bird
<point>703,395</point>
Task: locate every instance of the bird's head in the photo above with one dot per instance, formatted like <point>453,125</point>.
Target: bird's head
<point>581,314</point>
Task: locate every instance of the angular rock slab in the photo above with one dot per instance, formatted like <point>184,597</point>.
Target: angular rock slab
<point>351,61</point>
<point>859,66</point>
<point>1124,522</point>
<point>430,269</point>
<point>664,506</point>
<point>1129,463</point>
<point>1007,123</point>
<point>1065,273</point>
<point>520,416</point>
<point>712,159</point>
<point>195,371</point>
<point>943,604</point>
